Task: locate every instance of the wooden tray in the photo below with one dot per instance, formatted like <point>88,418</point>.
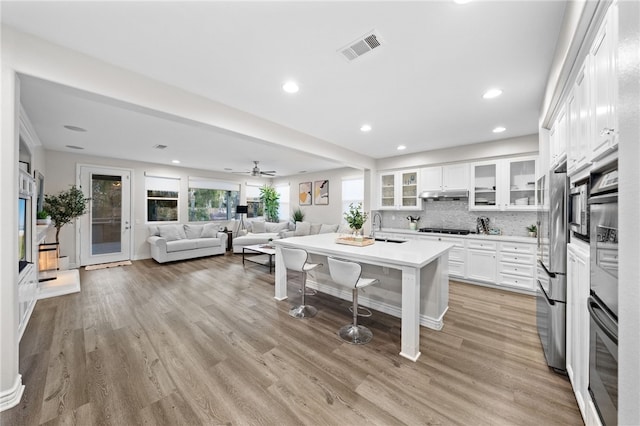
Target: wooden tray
<point>352,241</point>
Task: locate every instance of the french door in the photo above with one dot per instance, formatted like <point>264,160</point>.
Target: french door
<point>105,234</point>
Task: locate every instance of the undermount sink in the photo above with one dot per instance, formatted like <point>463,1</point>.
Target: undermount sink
<point>388,240</point>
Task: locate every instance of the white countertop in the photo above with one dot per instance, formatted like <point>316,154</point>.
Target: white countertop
<point>413,253</point>
<point>527,240</point>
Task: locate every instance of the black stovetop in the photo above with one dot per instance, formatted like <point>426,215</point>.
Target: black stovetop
<point>445,231</point>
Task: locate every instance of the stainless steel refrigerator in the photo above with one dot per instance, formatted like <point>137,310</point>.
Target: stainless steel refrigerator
<point>552,265</point>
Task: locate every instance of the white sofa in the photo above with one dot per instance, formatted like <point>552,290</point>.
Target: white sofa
<point>258,232</point>
<point>178,242</point>
<point>310,228</point>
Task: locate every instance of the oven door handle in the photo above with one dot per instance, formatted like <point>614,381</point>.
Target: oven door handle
<point>601,318</point>
<point>604,199</point>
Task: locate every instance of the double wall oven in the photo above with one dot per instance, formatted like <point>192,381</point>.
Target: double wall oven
<point>603,301</point>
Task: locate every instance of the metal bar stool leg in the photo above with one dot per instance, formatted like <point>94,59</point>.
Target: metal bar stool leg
<point>304,310</point>
<point>354,333</point>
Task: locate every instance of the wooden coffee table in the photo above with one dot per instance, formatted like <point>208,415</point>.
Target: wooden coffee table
<point>264,255</point>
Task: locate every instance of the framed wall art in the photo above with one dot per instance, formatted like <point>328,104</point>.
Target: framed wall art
<point>321,192</point>
<point>304,194</point>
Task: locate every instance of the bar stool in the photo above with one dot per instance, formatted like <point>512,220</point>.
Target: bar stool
<point>348,273</point>
<point>296,260</point>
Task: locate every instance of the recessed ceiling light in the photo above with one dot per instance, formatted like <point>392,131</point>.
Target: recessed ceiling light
<point>499,129</point>
<point>401,147</point>
<point>290,87</point>
<point>74,128</point>
<point>492,93</point>
<point>175,161</point>
<point>74,147</point>
<point>365,128</point>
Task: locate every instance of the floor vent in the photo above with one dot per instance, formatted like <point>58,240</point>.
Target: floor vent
<point>360,46</point>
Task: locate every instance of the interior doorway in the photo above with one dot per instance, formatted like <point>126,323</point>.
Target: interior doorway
<point>105,234</point>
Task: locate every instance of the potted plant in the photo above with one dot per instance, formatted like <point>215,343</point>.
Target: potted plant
<point>297,215</point>
<point>355,217</point>
<point>533,230</point>
<point>43,218</point>
<point>271,200</point>
<point>64,207</point>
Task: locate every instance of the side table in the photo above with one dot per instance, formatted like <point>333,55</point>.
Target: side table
<point>229,239</point>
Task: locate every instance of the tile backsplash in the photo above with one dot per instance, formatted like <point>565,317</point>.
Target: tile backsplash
<point>456,214</point>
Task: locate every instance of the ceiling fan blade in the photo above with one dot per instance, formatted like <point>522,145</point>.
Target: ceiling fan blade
<point>268,172</point>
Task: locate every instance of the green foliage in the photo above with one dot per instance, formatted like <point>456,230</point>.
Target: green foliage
<point>42,214</point>
<point>271,200</point>
<point>532,228</point>
<point>297,215</point>
<point>355,217</point>
<point>65,207</point>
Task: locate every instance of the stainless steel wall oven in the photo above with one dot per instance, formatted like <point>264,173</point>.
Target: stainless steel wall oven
<point>603,302</point>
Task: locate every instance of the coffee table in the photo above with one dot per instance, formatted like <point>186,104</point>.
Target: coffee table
<point>264,255</point>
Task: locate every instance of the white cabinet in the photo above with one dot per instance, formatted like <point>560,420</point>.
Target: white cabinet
<point>578,322</point>
<point>558,140</point>
<point>603,71</point>
<point>579,151</point>
<point>457,255</point>
<point>27,295</point>
<point>445,178</point>
<point>398,190</point>
<point>481,260</point>
<point>517,265</point>
<point>507,184</point>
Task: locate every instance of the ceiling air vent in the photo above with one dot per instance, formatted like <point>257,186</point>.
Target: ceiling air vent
<point>159,146</point>
<point>362,45</point>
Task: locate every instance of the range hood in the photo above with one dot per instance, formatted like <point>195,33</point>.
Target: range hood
<point>444,195</point>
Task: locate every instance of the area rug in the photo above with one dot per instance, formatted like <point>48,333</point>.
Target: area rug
<point>107,265</point>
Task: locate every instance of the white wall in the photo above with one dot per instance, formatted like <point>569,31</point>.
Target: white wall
<point>478,151</point>
<point>61,173</point>
<point>331,213</point>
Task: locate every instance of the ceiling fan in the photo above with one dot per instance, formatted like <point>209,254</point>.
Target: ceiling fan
<point>256,172</point>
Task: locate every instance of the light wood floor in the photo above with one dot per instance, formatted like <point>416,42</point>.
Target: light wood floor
<point>204,342</point>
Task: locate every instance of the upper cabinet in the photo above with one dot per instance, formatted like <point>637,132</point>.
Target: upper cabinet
<point>579,122</point>
<point>454,177</point>
<point>558,140</point>
<point>399,190</point>
<point>603,77</point>
<point>507,184</point>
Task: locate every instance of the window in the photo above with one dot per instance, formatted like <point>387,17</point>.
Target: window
<point>162,198</point>
<point>284,209</point>
<point>352,192</point>
<point>212,200</point>
<point>254,204</point>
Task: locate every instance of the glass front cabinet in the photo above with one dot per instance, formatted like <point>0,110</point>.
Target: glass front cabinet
<point>398,190</point>
<point>507,184</point>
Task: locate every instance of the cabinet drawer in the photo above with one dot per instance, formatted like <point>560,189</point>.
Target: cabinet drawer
<point>516,281</point>
<point>456,254</point>
<point>518,248</point>
<point>516,269</point>
<point>519,258</point>
<point>456,269</point>
<point>482,245</point>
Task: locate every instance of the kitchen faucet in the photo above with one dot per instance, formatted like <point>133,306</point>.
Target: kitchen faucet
<point>373,225</point>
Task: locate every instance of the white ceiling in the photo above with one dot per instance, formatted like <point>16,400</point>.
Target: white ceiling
<point>422,88</point>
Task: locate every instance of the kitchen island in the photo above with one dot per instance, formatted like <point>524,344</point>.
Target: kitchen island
<point>414,282</point>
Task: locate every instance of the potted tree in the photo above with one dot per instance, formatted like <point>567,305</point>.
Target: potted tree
<point>64,207</point>
<point>271,200</point>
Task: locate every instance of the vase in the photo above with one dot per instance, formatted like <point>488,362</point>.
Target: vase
<point>413,226</point>
<point>357,234</point>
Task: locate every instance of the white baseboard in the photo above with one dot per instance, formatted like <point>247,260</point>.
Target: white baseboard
<point>364,300</point>
<point>11,397</point>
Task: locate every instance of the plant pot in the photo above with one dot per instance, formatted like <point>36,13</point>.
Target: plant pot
<point>63,263</point>
<point>532,234</point>
<point>46,221</point>
<point>413,226</point>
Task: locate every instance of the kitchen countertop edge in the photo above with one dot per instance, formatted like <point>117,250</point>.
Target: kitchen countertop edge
<point>513,238</point>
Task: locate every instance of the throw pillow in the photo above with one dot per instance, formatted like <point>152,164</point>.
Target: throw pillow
<point>258,227</point>
<point>328,229</point>
<point>154,231</point>
<point>210,230</point>
<point>315,228</point>
<point>275,226</point>
<point>172,232</point>
<point>302,229</point>
<point>193,231</point>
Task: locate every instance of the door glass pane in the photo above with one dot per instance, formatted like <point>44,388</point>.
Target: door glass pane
<point>106,214</point>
